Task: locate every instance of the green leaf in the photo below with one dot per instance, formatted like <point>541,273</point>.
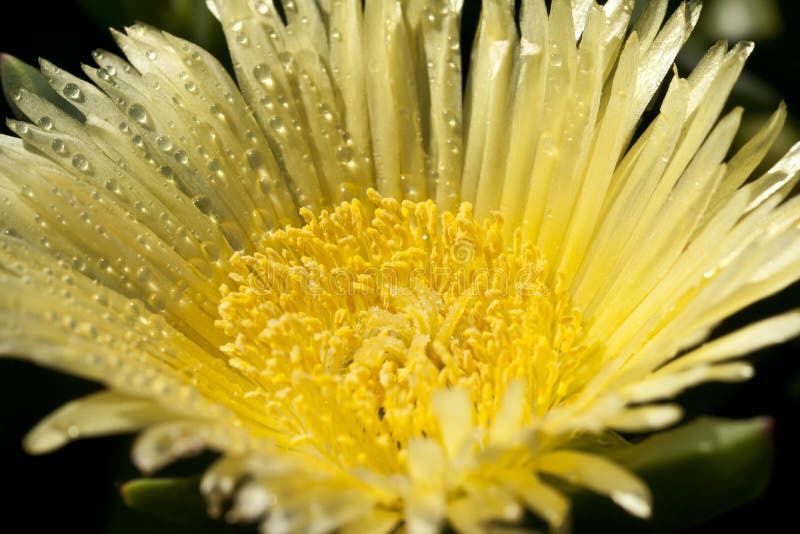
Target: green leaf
<point>189,19</point>
<point>15,75</point>
<point>739,20</point>
<point>695,472</point>
<point>174,500</point>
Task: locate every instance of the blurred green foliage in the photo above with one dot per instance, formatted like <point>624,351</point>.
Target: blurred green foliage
<point>695,472</point>
<point>185,18</point>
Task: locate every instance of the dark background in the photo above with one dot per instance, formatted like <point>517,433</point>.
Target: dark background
<point>74,489</point>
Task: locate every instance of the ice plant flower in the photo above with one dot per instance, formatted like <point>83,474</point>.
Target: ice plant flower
<point>383,300</point>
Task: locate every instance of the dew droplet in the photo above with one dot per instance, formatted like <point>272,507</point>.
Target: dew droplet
<point>344,154</point>
<point>548,144</point>
<point>325,112</point>
<point>45,123</point>
<point>253,158</point>
<point>20,128</point>
<point>214,109</point>
<point>266,102</point>
<point>112,186</point>
<point>202,203</point>
<point>139,114</point>
<point>348,191</point>
<point>155,302</point>
<point>276,123</point>
<point>73,92</point>
<point>142,274</point>
<point>163,142</point>
<point>267,185</point>
<point>181,157</point>
<point>80,162</point>
<point>233,234</point>
<point>454,146</point>
<point>263,75</point>
<point>210,250</point>
<point>262,7</point>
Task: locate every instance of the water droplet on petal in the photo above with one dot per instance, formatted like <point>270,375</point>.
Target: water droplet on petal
<point>164,143</point>
<point>348,191</point>
<point>139,114</point>
<point>203,203</point>
<point>276,123</point>
<point>73,92</point>
<point>45,123</point>
<point>233,234</point>
<point>142,274</point>
<point>262,7</point>
<point>80,162</point>
<point>344,154</point>
<point>254,159</point>
<point>20,128</point>
<point>263,75</point>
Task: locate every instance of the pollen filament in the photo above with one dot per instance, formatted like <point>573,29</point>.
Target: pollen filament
<point>347,325</point>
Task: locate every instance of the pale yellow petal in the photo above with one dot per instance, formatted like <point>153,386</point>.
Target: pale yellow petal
<point>668,383</point>
<point>490,72</point>
<point>425,506</point>
<point>396,139</point>
<point>748,339</point>
<point>645,418</point>
<point>162,444</point>
<point>453,410</point>
<point>99,414</point>
<point>541,498</point>
<point>601,476</point>
<point>507,422</point>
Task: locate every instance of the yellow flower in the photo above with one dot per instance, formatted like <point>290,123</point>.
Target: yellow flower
<point>382,300</point>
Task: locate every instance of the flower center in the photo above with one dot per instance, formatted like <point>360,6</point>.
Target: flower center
<point>346,326</point>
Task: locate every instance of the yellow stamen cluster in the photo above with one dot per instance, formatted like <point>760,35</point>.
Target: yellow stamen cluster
<point>347,325</point>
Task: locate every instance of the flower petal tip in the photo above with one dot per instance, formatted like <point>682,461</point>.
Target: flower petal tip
<point>44,439</point>
<point>634,503</point>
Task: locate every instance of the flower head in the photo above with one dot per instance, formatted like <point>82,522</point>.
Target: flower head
<point>381,300</point>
